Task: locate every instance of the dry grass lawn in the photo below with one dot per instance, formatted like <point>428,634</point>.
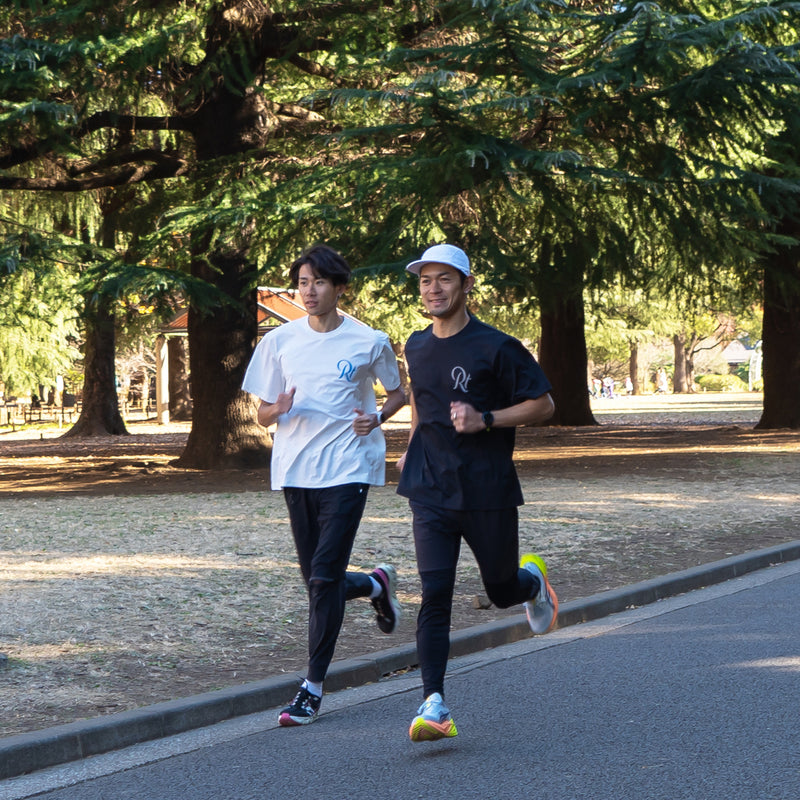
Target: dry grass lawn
<point>124,581</point>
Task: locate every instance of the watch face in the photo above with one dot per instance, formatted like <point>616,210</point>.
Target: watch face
<point>488,419</point>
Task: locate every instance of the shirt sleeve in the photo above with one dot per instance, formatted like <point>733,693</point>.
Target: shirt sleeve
<point>264,377</point>
<point>523,377</point>
<point>385,366</point>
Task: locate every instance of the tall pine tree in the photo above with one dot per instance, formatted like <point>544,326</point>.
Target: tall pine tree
<point>205,100</point>
<point>565,146</point>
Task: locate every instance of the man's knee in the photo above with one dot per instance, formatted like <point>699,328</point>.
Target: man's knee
<point>503,595</point>
<point>318,585</point>
<point>437,588</point>
<point>327,572</point>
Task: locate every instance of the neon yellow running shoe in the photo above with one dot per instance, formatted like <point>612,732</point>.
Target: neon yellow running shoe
<point>542,610</point>
<point>433,721</point>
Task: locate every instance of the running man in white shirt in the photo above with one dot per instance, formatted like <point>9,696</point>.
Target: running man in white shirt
<point>315,378</point>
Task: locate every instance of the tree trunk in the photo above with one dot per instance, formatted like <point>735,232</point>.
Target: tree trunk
<point>563,356</point>
<point>633,366</point>
<point>690,374</point>
<point>399,351</point>
<point>780,337</point>
<point>100,414</point>
<point>679,377</point>
<point>225,431</point>
<point>180,396</point>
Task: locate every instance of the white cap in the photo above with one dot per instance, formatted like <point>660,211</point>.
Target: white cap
<point>442,254</point>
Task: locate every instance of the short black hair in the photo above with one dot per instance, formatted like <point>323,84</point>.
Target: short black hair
<point>325,262</point>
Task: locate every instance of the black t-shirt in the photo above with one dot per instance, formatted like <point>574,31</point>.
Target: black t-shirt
<point>489,370</point>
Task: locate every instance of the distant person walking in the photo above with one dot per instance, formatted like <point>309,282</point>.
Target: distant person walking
<point>315,379</point>
<point>471,385</point>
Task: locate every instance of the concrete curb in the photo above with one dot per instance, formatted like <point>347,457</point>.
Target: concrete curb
<point>37,750</point>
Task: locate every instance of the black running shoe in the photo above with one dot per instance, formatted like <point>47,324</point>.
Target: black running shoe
<point>303,709</point>
<point>385,604</point>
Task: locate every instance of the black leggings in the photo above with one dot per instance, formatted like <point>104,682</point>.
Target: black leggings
<point>324,525</point>
<point>493,537</point>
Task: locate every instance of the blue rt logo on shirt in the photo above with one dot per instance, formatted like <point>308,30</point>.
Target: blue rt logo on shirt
<point>346,369</point>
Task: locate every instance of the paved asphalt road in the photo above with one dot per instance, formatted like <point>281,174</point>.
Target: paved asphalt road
<point>695,696</point>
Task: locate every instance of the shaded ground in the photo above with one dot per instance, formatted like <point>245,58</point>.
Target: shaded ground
<point>124,581</point>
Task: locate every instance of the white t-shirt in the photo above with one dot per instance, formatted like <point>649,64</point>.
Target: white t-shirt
<point>315,445</point>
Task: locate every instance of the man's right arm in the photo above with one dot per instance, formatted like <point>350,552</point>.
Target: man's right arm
<point>268,413</point>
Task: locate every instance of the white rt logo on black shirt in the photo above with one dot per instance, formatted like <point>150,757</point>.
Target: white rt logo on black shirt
<point>460,378</point>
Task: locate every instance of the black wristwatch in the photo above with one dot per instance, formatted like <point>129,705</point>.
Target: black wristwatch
<point>381,418</point>
<point>488,420</point>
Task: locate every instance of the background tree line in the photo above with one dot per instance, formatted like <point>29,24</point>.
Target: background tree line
<point>173,151</point>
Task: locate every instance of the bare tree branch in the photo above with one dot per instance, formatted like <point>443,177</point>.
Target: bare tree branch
<point>159,157</point>
<point>124,177</point>
<point>132,123</point>
<point>312,68</point>
<point>102,119</point>
<point>294,111</point>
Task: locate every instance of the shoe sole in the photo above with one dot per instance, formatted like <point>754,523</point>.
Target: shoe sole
<point>531,606</point>
<point>426,730</point>
<point>288,721</point>
<point>533,619</point>
<point>390,575</point>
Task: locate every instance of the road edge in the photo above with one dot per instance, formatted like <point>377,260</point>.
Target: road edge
<point>29,752</point>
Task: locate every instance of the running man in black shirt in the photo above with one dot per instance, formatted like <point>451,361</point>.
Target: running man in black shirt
<point>471,385</point>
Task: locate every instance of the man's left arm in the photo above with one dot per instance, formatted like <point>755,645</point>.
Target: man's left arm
<point>366,423</point>
<point>387,372</point>
<point>467,419</point>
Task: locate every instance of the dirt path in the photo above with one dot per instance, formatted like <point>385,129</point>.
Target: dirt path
<point>124,581</point>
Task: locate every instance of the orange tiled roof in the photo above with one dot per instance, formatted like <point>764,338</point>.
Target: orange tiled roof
<point>275,306</point>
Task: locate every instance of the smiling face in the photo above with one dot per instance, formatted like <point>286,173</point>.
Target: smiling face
<point>443,290</point>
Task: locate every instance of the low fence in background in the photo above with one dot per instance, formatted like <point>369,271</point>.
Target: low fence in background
<point>13,414</point>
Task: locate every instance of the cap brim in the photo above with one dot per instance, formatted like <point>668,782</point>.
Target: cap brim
<point>415,266</point>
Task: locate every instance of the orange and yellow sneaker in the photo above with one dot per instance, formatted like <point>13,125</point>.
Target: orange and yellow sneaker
<point>433,721</point>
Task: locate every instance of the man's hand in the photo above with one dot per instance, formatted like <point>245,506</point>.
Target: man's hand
<point>268,413</point>
<point>285,401</point>
<point>364,423</point>
<point>465,418</point>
